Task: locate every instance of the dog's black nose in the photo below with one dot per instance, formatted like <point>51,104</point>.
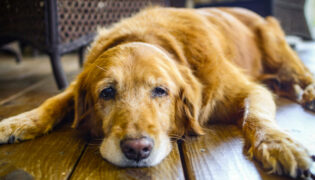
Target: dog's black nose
<point>137,149</point>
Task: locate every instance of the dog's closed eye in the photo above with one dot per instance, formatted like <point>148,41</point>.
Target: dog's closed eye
<point>159,92</point>
<point>108,93</point>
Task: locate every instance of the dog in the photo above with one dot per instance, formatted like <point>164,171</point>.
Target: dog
<point>168,72</point>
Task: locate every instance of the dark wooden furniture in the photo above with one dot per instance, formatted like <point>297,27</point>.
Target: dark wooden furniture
<point>291,14</point>
<point>262,7</point>
<point>7,49</point>
<point>59,26</point>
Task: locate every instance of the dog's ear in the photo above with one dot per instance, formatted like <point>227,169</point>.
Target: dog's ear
<point>82,102</point>
<point>188,104</point>
<point>84,115</point>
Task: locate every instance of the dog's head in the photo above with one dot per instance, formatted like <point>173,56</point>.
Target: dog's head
<point>137,98</point>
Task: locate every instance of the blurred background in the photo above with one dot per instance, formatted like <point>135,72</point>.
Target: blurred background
<point>46,30</point>
<point>42,48</point>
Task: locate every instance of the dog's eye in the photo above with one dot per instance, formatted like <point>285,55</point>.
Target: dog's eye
<point>108,93</point>
<point>159,92</point>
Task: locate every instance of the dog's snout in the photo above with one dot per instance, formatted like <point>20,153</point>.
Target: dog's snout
<point>137,149</point>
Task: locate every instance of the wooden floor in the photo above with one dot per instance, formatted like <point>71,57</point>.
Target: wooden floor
<point>66,154</point>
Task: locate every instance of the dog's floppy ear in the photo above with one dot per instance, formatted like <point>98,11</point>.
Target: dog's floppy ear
<point>188,104</point>
<point>82,102</point>
<point>84,115</point>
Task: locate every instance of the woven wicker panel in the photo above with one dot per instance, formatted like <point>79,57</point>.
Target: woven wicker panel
<point>24,20</point>
<point>82,17</point>
<point>290,13</point>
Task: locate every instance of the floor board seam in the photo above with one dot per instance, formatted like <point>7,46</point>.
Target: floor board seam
<point>78,160</point>
<point>182,158</point>
<point>31,87</point>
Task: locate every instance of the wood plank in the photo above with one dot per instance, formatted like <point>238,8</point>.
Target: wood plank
<point>29,100</point>
<point>92,166</point>
<point>15,78</point>
<point>296,121</point>
<point>52,156</point>
<point>219,154</point>
<point>306,51</point>
<point>9,95</point>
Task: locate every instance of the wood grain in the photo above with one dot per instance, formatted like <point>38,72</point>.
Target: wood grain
<point>296,121</point>
<point>52,156</point>
<point>92,166</point>
<point>220,155</point>
<point>16,78</point>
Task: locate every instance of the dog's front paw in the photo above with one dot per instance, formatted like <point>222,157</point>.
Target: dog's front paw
<point>283,156</point>
<point>306,97</point>
<point>19,127</point>
<point>309,97</point>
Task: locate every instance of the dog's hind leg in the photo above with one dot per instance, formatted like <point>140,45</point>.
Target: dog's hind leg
<point>38,121</point>
<point>276,151</point>
<point>284,71</point>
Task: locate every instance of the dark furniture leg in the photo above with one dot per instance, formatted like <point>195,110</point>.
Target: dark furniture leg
<point>59,74</point>
<point>81,55</point>
<point>13,52</point>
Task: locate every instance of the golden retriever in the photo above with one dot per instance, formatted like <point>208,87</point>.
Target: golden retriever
<point>167,72</point>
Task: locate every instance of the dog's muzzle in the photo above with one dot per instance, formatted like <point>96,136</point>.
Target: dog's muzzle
<point>137,149</point>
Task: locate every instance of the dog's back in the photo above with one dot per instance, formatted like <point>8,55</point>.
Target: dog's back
<point>195,37</point>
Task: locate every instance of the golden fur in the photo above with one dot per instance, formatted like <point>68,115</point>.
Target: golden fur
<point>210,62</point>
